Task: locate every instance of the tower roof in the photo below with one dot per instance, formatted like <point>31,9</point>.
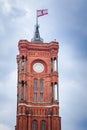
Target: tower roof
<point>36,37</point>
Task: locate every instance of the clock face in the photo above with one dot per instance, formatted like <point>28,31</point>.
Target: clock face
<point>38,67</point>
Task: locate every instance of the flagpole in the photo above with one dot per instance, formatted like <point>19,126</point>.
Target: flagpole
<point>36,18</point>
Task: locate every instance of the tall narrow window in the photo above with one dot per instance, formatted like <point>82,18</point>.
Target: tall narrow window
<point>51,94</point>
<point>41,85</point>
<point>41,90</point>
<point>35,89</point>
<point>43,125</point>
<point>55,64</point>
<point>51,65</point>
<point>34,125</point>
<point>19,91</point>
<point>35,85</point>
<point>22,90</point>
<point>23,63</point>
<point>55,92</point>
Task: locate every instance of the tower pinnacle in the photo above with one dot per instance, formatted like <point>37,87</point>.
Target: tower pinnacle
<point>36,37</point>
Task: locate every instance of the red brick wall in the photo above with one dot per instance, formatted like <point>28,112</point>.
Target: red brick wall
<point>27,109</point>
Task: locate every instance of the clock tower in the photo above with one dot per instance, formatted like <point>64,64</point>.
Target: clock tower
<point>38,86</point>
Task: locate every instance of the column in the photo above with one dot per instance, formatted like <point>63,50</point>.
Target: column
<point>49,123</point>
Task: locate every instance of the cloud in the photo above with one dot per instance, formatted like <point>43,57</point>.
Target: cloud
<point>76,96</point>
<point>66,22</point>
<point>5,6</point>
<point>8,100</point>
<point>15,12</point>
<point>3,127</point>
<point>73,88</point>
<point>2,29</point>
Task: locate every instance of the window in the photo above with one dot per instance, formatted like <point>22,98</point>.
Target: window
<point>35,96</point>
<point>35,89</point>
<point>41,90</point>
<point>55,92</point>
<point>19,91</point>
<point>23,63</point>
<point>51,65</point>
<point>41,85</point>
<point>35,85</point>
<point>23,58</point>
<point>34,125</point>
<point>23,83</point>
<point>22,90</point>
<point>41,97</point>
<point>43,125</point>
<point>55,64</point>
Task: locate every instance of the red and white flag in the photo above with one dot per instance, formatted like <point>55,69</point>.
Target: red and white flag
<point>42,12</point>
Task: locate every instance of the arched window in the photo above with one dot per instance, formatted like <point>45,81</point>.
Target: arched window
<point>23,58</point>
<point>35,89</point>
<point>22,83</point>
<point>43,125</point>
<point>34,125</point>
<point>41,90</point>
<point>23,63</point>
<point>55,64</point>
<point>55,91</point>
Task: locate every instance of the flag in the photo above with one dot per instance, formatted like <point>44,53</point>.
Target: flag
<point>42,12</point>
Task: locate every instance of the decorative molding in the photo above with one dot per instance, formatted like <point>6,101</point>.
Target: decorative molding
<point>23,104</point>
<point>34,53</point>
<point>35,115</point>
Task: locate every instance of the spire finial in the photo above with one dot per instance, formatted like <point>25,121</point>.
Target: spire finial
<point>37,37</point>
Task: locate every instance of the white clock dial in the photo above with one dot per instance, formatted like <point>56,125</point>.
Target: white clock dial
<point>38,67</point>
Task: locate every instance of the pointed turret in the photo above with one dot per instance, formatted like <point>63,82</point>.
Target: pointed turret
<point>37,37</point>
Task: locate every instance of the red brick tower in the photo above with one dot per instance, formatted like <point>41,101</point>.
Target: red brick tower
<point>37,88</point>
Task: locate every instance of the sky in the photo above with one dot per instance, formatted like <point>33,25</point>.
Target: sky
<point>67,23</point>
